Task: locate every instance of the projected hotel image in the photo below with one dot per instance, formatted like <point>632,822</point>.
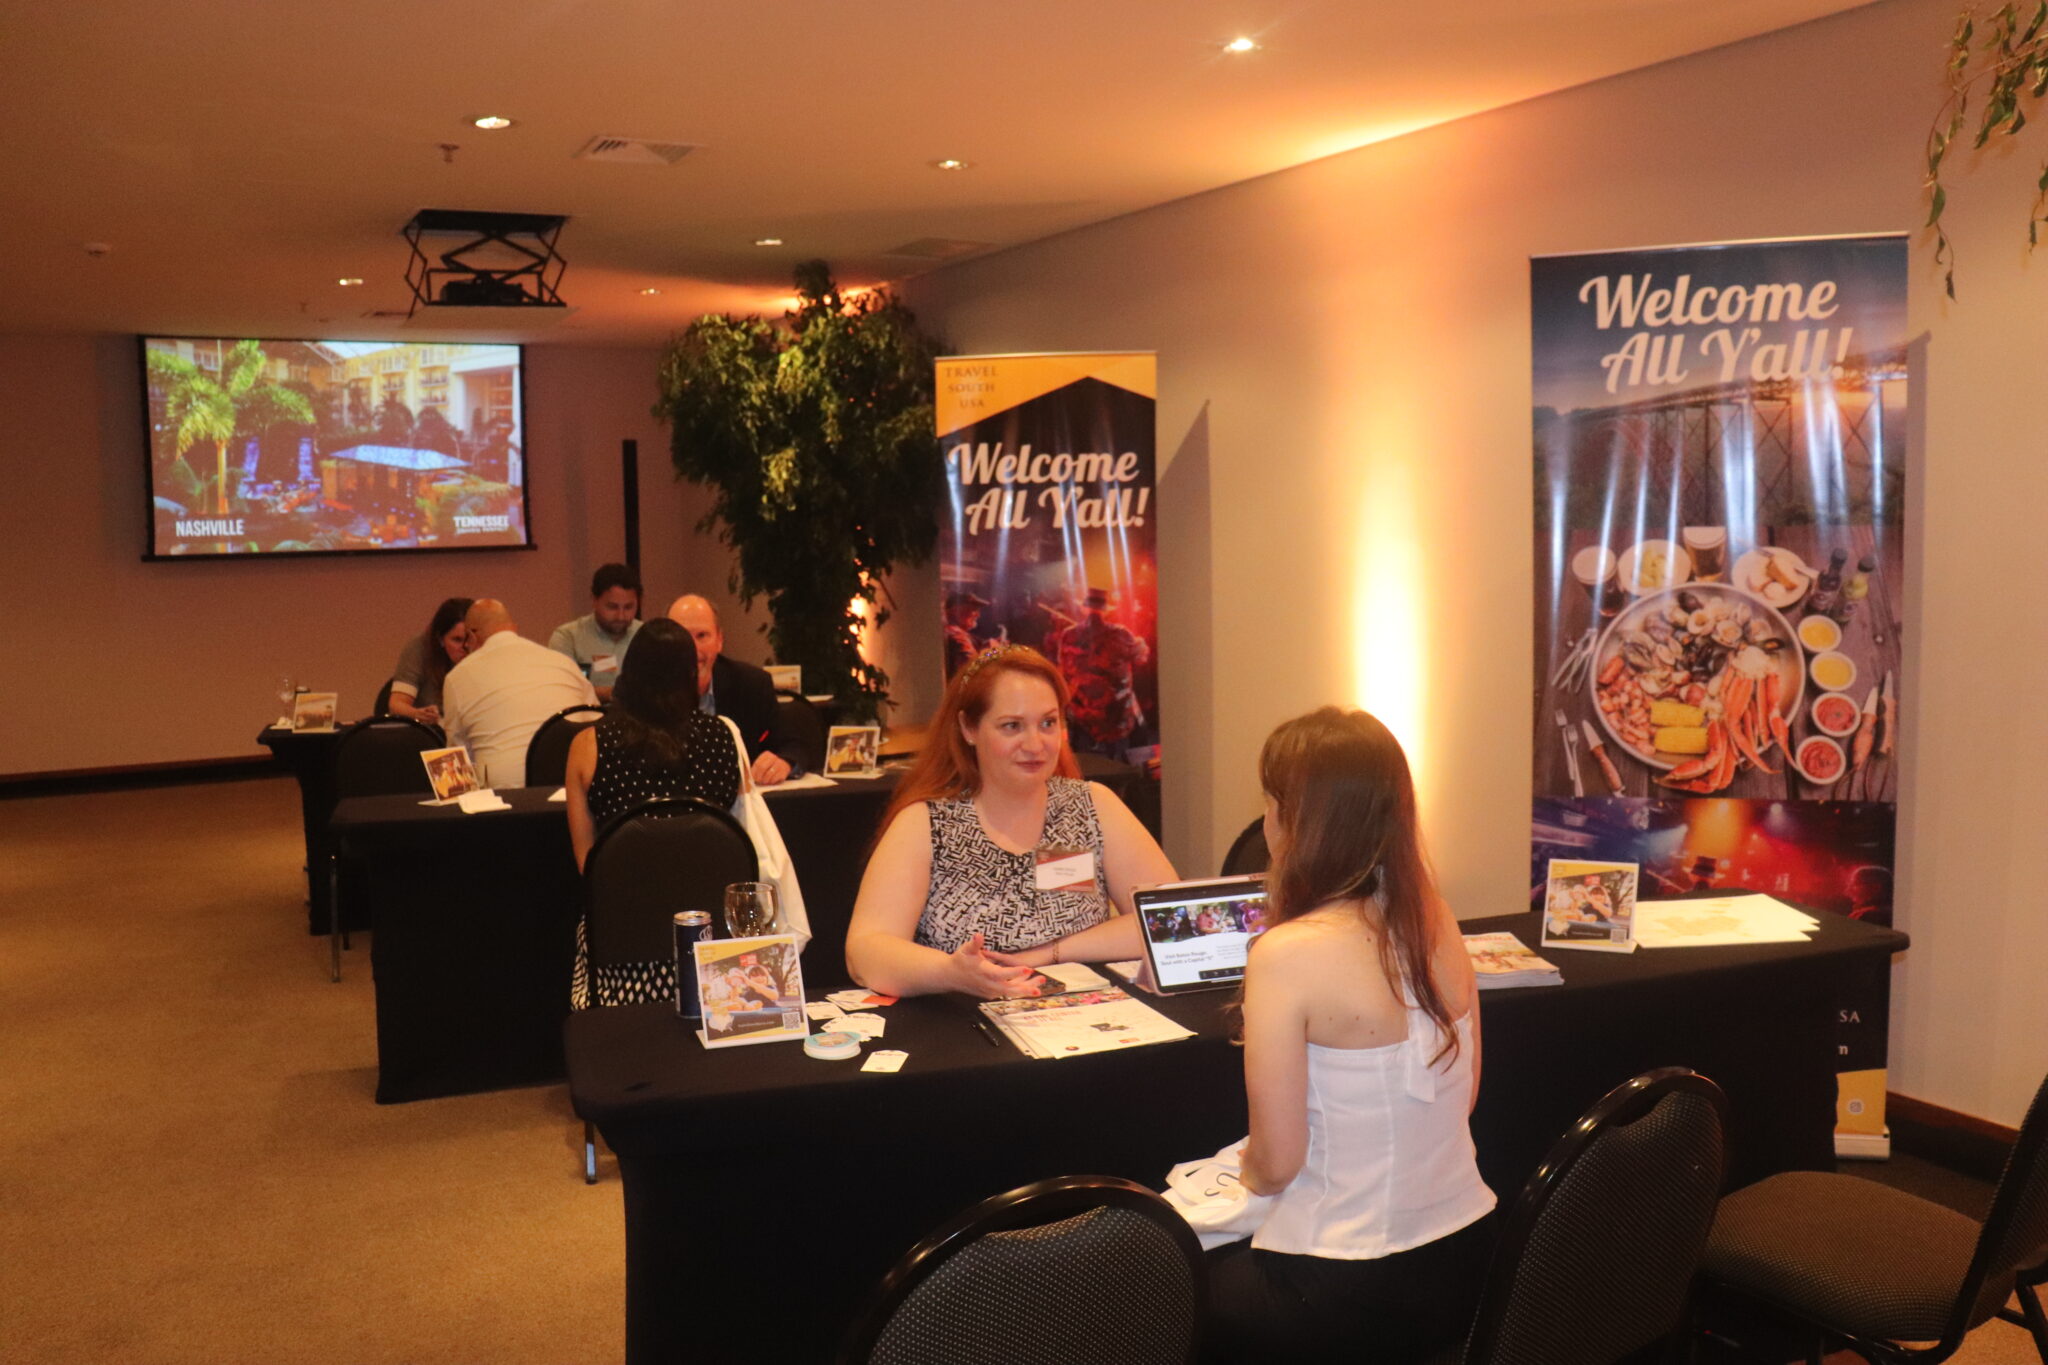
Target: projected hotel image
<point>281,447</point>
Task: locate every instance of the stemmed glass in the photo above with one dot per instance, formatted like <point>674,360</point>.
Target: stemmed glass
<point>750,909</point>
<point>285,695</point>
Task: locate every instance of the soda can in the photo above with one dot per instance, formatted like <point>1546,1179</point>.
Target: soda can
<point>692,927</point>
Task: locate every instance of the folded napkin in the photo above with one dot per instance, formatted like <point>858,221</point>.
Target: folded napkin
<point>473,802</point>
<point>1210,1194</point>
<point>560,794</point>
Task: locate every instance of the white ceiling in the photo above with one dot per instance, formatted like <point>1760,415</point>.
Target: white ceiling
<point>239,156</point>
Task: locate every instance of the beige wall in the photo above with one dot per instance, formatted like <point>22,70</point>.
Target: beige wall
<point>111,661</point>
<point>1344,422</point>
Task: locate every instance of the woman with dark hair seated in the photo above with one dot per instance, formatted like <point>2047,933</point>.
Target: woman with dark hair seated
<point>654,742</point>
<point>1361,1063</point>
<point>424,663</point>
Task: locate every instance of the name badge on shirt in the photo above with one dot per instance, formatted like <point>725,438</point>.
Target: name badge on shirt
<point>1064,869</point>
<point>603,663</point>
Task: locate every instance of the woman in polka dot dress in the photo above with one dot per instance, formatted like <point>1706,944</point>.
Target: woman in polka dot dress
<point>654,742</point>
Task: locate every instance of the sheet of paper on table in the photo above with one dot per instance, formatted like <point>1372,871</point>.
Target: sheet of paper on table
<point>1082,1022</point>
<point>1716,921</point>
<point>797,784</point>
<point>477,801</point>
<point>559,794</point>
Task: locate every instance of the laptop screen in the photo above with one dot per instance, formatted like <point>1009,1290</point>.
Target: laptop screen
<point>1197,933</point>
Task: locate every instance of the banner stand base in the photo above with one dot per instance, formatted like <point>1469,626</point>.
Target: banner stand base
<point>1864,1146</point>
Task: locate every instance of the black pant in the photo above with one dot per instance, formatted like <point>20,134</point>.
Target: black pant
<point>1266,1306</point>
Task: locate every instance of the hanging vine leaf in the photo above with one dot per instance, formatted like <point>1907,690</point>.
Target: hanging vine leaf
<point>815,438</point>
<point>2011,65</point>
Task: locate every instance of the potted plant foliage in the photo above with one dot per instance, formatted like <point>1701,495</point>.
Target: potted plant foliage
<point>2009,60</point>
<point>815,437</point>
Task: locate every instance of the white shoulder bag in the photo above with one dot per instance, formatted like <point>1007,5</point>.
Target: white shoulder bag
<point>751,810</point>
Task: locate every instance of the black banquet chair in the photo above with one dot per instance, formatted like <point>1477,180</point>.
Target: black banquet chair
<point>1248,852</point>
<point>802,720</point>
<point>378,756</point>
<point>1885,1274</point>
<point>649,862</point>
<point>1080,1268</point>
<point>1595,1260</point>
<point>547,753</point>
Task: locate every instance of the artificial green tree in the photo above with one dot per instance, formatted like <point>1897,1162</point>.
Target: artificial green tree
<point>2010,61</point>
<point>815,437</point>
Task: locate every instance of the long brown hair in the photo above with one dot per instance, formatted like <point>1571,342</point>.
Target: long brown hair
<point>655,697</point>
<point>433,655</point>
<point>947,768</point>
<point>1347,805</point>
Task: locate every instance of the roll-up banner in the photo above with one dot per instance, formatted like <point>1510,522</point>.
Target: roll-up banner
<point>1720,502</point>
<point>1051,537</point>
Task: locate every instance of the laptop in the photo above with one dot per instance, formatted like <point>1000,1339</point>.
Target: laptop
<point>1196,934</point>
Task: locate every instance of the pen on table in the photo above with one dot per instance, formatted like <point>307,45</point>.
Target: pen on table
<point>981,1026</point>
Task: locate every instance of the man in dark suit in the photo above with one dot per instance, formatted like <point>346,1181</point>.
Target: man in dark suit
<point>739,691</point>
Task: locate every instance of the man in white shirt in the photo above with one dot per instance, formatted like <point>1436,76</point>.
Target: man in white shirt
<point>597,643</point>
<point>498,696</point>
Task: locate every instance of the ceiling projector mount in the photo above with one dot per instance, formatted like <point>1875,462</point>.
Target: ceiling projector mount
<point>501,260</point>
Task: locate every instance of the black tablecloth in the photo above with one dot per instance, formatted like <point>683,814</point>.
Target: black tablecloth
<point>474,919</point>
<point>309,757</point>
<point>762,1186</point>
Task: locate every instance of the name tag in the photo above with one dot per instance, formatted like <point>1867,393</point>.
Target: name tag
<point>603,663</point>
<point>1065,869</point>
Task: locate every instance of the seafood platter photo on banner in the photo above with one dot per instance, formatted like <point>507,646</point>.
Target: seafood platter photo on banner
<point>1720,477</point>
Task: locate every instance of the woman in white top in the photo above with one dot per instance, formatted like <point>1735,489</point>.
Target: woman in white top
<point>1361,1063</point>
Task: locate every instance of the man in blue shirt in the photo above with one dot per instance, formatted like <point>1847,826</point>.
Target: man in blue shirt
<point>597,643</point>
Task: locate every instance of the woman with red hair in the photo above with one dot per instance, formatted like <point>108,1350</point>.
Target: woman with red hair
<point>995,857</point>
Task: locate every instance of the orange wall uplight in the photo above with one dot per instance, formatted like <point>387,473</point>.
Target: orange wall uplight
<point>1389,612</point>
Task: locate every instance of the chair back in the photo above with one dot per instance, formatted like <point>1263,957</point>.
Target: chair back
<point>1595,1260</point>
<point>652,860</point>
<point>380,756</point>
<point>383,706</point>
<point>2015,1236</point>
<point>1248,851</point>
<point>806,724</point>
<point>547,753</point>
<point>1078,1267</point>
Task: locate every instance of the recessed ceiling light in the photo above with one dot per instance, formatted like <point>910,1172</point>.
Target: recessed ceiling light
<point>492,122</point>
<point>767,241</point>
<point>950,164</point>
<point>349,281</point>
<point>650,290</point>
<point>1241,45</point>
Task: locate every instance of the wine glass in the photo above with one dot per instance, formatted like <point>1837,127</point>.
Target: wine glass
<point>285,694</point>
<point>750,909</point>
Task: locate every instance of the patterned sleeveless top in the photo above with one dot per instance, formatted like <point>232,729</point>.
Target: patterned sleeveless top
<point>709,768</point>
<point>979,887</point>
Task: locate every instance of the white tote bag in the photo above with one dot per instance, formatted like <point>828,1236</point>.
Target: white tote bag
<point>751,810</point>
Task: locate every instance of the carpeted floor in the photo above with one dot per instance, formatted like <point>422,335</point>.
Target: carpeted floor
<point>194,1167</point>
